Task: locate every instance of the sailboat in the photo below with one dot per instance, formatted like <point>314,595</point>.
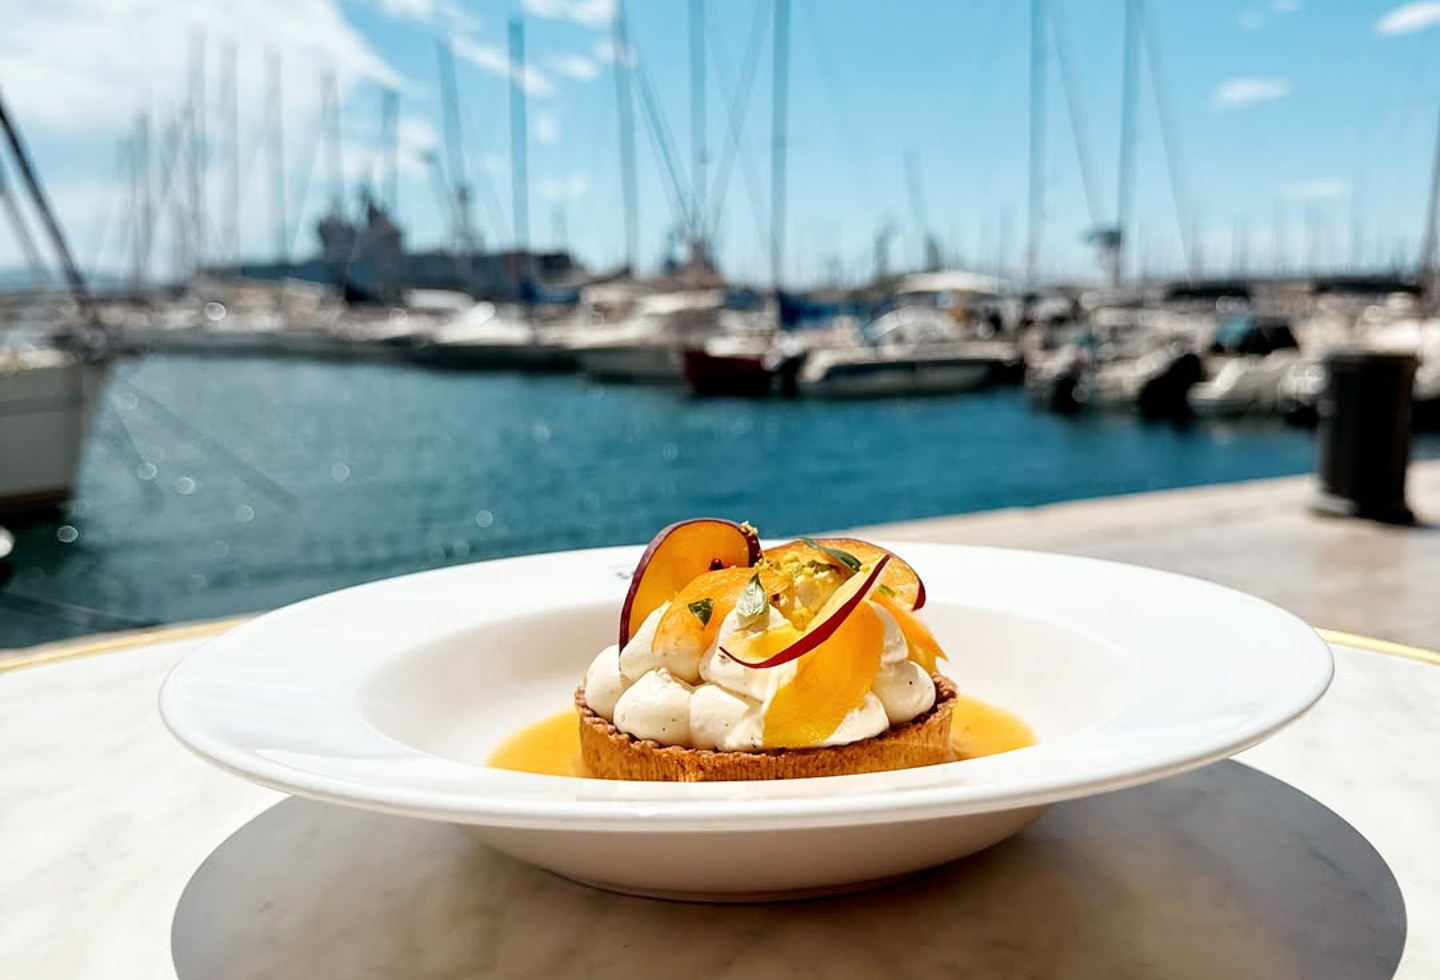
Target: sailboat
<point>47,396</point>
<point>48,381</point>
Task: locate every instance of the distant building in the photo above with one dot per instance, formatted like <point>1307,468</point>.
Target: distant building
<point>369,262</point>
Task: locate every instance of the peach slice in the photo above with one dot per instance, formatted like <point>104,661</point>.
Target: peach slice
<point>694,617</point>
<point>676,556</point>
<point>900,579</point>
<point>924,648</point>
<point>830,683</point>
<point>832,616</point>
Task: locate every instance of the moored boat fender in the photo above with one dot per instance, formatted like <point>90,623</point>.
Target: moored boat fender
<point>7,544</point>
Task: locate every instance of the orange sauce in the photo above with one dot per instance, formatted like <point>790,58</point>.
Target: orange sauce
<point>552,747</point>
<point>977,729</point>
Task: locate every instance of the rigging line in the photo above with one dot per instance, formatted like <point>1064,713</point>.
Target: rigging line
<point>1428,241</point>
<point>735,122</point>
<point>106,219</point>
<point>253,147</point>
<point>128,444</point>
<point>1059,35</point>
<point>245,472</point>
<point>36,265</point>
<point>71,613</point>
<point>1167,137</point>
<point>307,176</point>
<point>169,163</point>
<point>492,211</point>
<point>842,112</point>
<point>663,143</point>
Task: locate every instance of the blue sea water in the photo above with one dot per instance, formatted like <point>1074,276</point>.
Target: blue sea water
<point>211,487</point>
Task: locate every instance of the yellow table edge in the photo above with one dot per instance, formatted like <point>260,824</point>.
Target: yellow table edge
<point>1374,645</point>
<point>113,643</point>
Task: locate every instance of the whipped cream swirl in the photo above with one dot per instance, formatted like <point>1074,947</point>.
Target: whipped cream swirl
<point>709,701</point>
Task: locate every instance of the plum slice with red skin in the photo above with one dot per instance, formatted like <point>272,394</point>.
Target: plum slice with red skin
<point>676,556</point>
<point>845,601</point>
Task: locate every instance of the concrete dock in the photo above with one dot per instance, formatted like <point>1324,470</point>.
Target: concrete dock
<point>1350,575</point>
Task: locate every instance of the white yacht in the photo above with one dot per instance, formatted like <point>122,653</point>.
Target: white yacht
<point>484,337</point>
<point>1246,385</point>
<point>929,344</point>
<point>930,368</point>
<point>646,346</point>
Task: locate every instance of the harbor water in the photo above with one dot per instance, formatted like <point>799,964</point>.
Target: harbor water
<point>211,487</point>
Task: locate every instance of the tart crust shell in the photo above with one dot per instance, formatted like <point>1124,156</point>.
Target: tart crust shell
<point>609,753</point>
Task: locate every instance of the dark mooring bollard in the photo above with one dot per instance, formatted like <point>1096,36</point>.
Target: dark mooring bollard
<point>1363,444</point>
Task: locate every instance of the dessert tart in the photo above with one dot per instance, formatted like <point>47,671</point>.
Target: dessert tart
<point>734,663</point>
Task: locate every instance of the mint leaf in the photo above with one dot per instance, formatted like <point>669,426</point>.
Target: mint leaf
<point>702,609</point>
<point>754,601</point>
<point>843,557</point>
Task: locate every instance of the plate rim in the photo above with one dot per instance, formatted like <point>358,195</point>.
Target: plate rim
<point>839,800</point>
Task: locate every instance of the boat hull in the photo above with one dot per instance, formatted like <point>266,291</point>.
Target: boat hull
<point>45,412</point>
<point>632,363</point>
<point>733,375</point>
<point>493,356</point>
<point>877,379</point>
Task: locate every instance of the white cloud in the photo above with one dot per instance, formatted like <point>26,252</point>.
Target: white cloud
<point>430,13</point>
<point>575,66</point>
<point>421,10</point>
<point>1239,92</point>
<point>77,73</point>
<point>565,188</point>
<point>545,128</point>
<point>496,61</point>
<point>80,67</point>
<point>1284,6</point>
<point>595,14</point>
<point>1251,20</point>
<point>1409,18</point>
<point>605,51</point>
<point>1320,189</point>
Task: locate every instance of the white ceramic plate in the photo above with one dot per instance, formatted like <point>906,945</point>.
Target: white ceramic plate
<point>391,696</point>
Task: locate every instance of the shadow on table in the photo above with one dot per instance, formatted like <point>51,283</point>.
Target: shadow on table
<point>1224,872</point>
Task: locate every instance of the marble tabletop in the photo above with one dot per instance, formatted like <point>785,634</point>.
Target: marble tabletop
<point>123,856</point>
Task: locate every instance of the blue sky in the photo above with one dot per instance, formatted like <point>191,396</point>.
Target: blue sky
<point>1292,109</point>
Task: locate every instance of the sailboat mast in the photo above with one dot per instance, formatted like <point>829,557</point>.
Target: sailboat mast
<point>1037,141</point>
<point>778,126</point>
<point>697,122</point>
<point>144,201</point>
<point>47,217</point>
<point>232,96</point>
<point>198,153</point>
<point>455,153</point>
<point>277,159</point>
<point>625,117</point>
<point>390,148</point>
<point>1428,264</point>
<point>334,164</point>
<point>519,144</point>
<point>1125,181</point>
